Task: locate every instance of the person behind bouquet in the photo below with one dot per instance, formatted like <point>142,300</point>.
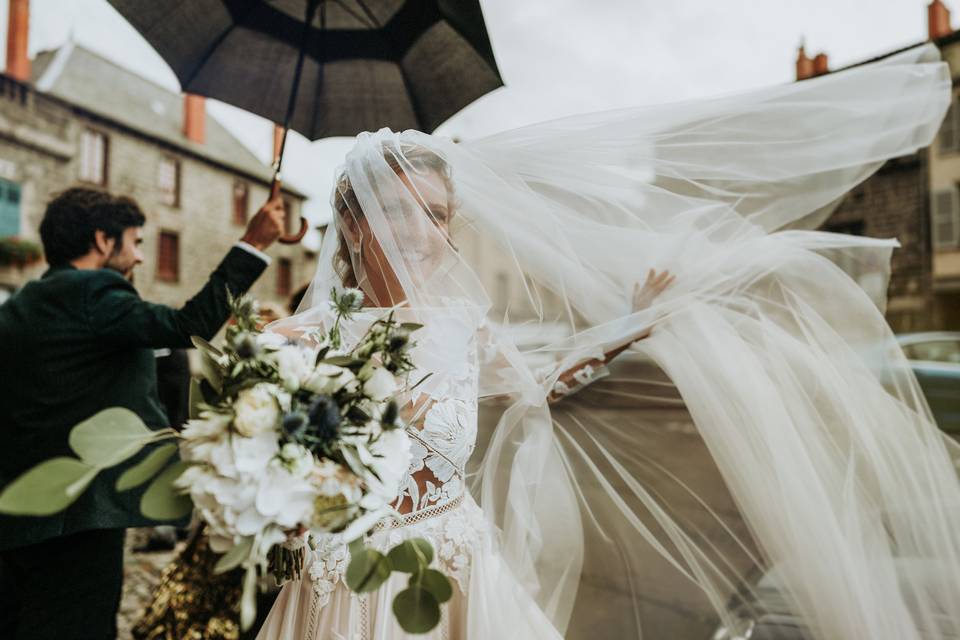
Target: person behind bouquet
<point>77,341</point>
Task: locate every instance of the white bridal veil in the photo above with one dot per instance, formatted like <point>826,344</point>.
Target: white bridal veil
<point>820,460</point>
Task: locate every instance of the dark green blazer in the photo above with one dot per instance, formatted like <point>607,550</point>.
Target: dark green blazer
<point>79,341</point>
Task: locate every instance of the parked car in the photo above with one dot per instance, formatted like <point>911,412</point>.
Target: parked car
<point>765,613</point>
<point>935,359</point>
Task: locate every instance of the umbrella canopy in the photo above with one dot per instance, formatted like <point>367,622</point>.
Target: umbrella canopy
<point>403,64</point>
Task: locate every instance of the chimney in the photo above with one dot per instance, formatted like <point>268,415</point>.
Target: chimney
<point>820,64</point>
<point>277,141</point>
<point>804,64</point>
<point>195,118</point>
<point>938,20</point>
<point>18,34</point>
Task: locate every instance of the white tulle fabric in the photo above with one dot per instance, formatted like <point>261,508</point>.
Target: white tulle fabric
<point>833,468</point>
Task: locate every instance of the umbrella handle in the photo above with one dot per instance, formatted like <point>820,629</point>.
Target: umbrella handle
<point>298,236</point>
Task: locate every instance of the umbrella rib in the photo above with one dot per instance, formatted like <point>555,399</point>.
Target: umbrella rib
<point>369,13</point>
<point>213,47</point>
<point>356,15</point>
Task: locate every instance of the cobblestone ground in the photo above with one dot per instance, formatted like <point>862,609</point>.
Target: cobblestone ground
<point>141,572</point>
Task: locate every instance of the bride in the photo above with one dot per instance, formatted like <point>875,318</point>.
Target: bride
<point>826,467</point>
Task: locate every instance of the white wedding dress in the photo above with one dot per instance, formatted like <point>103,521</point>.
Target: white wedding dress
<point>825,466</point>
<point>487,601</point>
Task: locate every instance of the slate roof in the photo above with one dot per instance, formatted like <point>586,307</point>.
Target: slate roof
<point>103,88</point>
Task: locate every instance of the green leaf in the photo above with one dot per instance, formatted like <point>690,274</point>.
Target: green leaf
<point>411,326</point>
<point>248,600</point>
<point>162,501</point>
<point>146,468</point>
<point>344,361</point>
<point>109,437</point>
<point>210,368</point>
<point>50,487</point>
<point>416,609</point>
<point>237,554</point>
<point>367,571</point>
<point>411,555</point>
<point>436,583</point>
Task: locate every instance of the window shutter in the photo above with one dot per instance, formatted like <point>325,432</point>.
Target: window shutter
<point>949,132</point>
<point>241,202</point>
<point>168,257</point>
<point>945,219</point>
<point>9,209</point>
<point>284,277</point>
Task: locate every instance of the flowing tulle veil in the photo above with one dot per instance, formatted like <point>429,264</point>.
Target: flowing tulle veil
<point>829,466</point>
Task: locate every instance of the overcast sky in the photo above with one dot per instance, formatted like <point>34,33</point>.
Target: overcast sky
<point>559,57</point>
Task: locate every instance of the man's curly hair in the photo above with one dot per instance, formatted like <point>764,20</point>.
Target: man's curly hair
<point>73,217</point>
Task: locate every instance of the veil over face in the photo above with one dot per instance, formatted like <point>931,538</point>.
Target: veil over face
<point>819,458</point>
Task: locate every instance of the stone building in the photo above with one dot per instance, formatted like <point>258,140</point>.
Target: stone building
<point>70,117</point>
<point>915,199</point>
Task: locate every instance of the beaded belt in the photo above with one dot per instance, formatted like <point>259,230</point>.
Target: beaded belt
<point>396,522</point>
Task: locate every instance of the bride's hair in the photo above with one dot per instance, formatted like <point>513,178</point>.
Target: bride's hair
<point>413,157</point>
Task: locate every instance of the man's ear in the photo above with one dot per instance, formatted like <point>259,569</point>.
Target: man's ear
<point>103,243</point>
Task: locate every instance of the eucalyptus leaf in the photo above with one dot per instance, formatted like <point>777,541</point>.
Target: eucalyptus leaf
<point>417,610</point>
<point>162,501</point>
<point>146,468</point>
<point>235,556</point>
<point>436,583</point>
<point>205,347</point>
<point>248,600</point>
<point>411,555</point>
<point>367,571</point>
<point>109,437</point>
<point>356,546</point>
<point>48,488</point>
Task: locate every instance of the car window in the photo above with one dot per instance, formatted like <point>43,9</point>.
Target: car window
<point>935,351</point>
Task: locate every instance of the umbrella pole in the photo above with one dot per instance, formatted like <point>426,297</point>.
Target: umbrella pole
<point>291,105</point>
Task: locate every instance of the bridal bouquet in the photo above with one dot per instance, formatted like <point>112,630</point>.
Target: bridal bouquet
<point>286,442</point>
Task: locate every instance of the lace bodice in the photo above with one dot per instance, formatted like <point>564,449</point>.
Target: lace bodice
<point>443,432</point>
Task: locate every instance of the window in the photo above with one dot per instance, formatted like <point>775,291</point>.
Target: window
<point>93,157</point>
<point>168,257</point>
<point>950,130</point>
<point>945,219</point>
<point>9,209</point>
<point>284,277</point>
<point>168,181</point>
<point>241,202</point>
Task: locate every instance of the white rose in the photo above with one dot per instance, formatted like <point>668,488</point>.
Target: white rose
<point>380,385</point>
<point>293,366</point>
<point>256,410</point>
<point>328,379</point>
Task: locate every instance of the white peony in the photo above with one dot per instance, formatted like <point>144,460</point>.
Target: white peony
<point>256,410</point>
<point>293,366</point>
<point>337,497</point>
<point>328,379</point>
<point>380,385</point>
<point>253,455</point>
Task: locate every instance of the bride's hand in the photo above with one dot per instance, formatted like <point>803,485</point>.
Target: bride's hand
<point>655,285</point>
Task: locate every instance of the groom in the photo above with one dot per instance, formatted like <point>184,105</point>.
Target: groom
<point>76,341</point>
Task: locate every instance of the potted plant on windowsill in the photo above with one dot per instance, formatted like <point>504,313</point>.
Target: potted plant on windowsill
<point>16,252</point>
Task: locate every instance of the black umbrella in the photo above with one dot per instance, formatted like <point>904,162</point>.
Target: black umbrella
<point>325,67</point>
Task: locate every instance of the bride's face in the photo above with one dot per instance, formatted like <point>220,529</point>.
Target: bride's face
<point>419,220</point>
